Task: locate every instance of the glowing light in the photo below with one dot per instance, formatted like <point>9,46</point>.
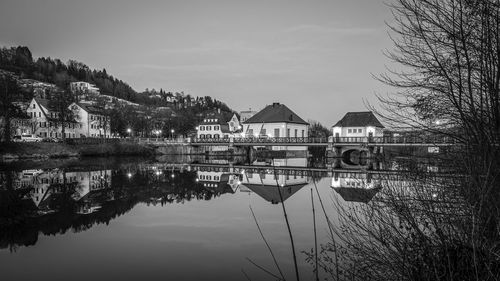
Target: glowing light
<point>197,180</point>
<point>129,175</point>
<point>173,176</point>
<point>239,182</point>
<point>434,195</point>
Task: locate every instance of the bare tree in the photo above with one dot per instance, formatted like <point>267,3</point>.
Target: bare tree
<point>449,53</point>
<point>448,83</point>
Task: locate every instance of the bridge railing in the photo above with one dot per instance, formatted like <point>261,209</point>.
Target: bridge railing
<point>260,140</point>
<point>209,140</point>
<point>395,139</point>
<point>280,140</point>
<point>354,140</point>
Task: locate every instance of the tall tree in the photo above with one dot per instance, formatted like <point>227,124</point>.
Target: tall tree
<point>9,95</point>
<point>60,102</point>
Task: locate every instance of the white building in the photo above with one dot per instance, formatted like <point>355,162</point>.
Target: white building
<point>358,124</point>
<point>275,121</point>
<point>89,121</point>
<point>216,127</point>
<point>93,122</point>
<point>45,121</point>
<point>83,87</point>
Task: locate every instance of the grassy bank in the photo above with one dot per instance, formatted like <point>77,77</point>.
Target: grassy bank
<point>13,151</point>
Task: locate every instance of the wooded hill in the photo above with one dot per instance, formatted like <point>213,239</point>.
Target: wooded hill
<point>183,114</point>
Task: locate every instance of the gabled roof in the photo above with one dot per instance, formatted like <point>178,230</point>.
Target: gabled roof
<point>42,102</point>
<point>44,105</point>
<point>271,193</point>
<point>92,108</point>
<point>361,195</point>
<point>359,119</point>
<point>276,113</point>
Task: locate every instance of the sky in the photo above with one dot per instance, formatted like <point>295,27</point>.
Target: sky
<point>317,57</point>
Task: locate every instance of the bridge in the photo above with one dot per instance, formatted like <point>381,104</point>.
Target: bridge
<point>327,142</point>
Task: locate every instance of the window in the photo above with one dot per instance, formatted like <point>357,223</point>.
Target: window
<point>209,128</point>
<point>263,132</point>
<point>33,105</point>
<point>296,133</point>
<point>349,131</point>
<point>250,132</point>
<point>287,133</point>
<point>216,128</point>
<point>40,114</point>
<point>303,134</point>
<point>276,133</point>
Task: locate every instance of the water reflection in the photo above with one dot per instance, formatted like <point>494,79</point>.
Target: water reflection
<point>73,198</point>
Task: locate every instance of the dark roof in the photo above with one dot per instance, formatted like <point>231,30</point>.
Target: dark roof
<point>276,113</point>
<point>43,102</point>
<point>359,119</point>
<point>361,195</point>
<point>271,194</point>
<point>92,108</point>
<point>220,119</point>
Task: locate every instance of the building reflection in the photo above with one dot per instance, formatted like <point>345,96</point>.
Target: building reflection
<point>218,182</point>
<point>356,187</point>
<point>273,184</point>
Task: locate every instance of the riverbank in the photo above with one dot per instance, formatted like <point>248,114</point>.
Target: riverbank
<point>18,151</point>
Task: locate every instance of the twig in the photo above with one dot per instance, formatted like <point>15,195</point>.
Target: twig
<point>330,226</point>
<point>246,275</point>
<point>267,244</point>
<point>287,223</point>
<point>263,269</point>
<point>315,238</point>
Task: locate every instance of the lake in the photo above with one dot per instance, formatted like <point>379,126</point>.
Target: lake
<point>136,218</point>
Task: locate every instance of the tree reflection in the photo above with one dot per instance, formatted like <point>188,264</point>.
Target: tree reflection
<point>55,201</point>
<point>417,227</point>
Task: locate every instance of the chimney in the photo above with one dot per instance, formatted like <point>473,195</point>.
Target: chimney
<point>275,104</point>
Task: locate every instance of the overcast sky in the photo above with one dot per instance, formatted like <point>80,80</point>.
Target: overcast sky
<point>317,57</point>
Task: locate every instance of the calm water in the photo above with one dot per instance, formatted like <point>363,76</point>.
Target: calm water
<point>133,219</point>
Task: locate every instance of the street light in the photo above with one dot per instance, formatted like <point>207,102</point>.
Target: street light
<point>172,133</point>
<point>129,131</point>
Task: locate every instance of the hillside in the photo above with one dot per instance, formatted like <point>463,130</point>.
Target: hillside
<point>142,112</point>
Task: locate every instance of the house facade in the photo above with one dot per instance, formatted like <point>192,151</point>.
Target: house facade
<point>358,124</point>
<point>83,87</point>
<point>275,121</point>
<point>216,127</point>
<point>93,122</point>
<point>44,121</point>
<point>89,121</point>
